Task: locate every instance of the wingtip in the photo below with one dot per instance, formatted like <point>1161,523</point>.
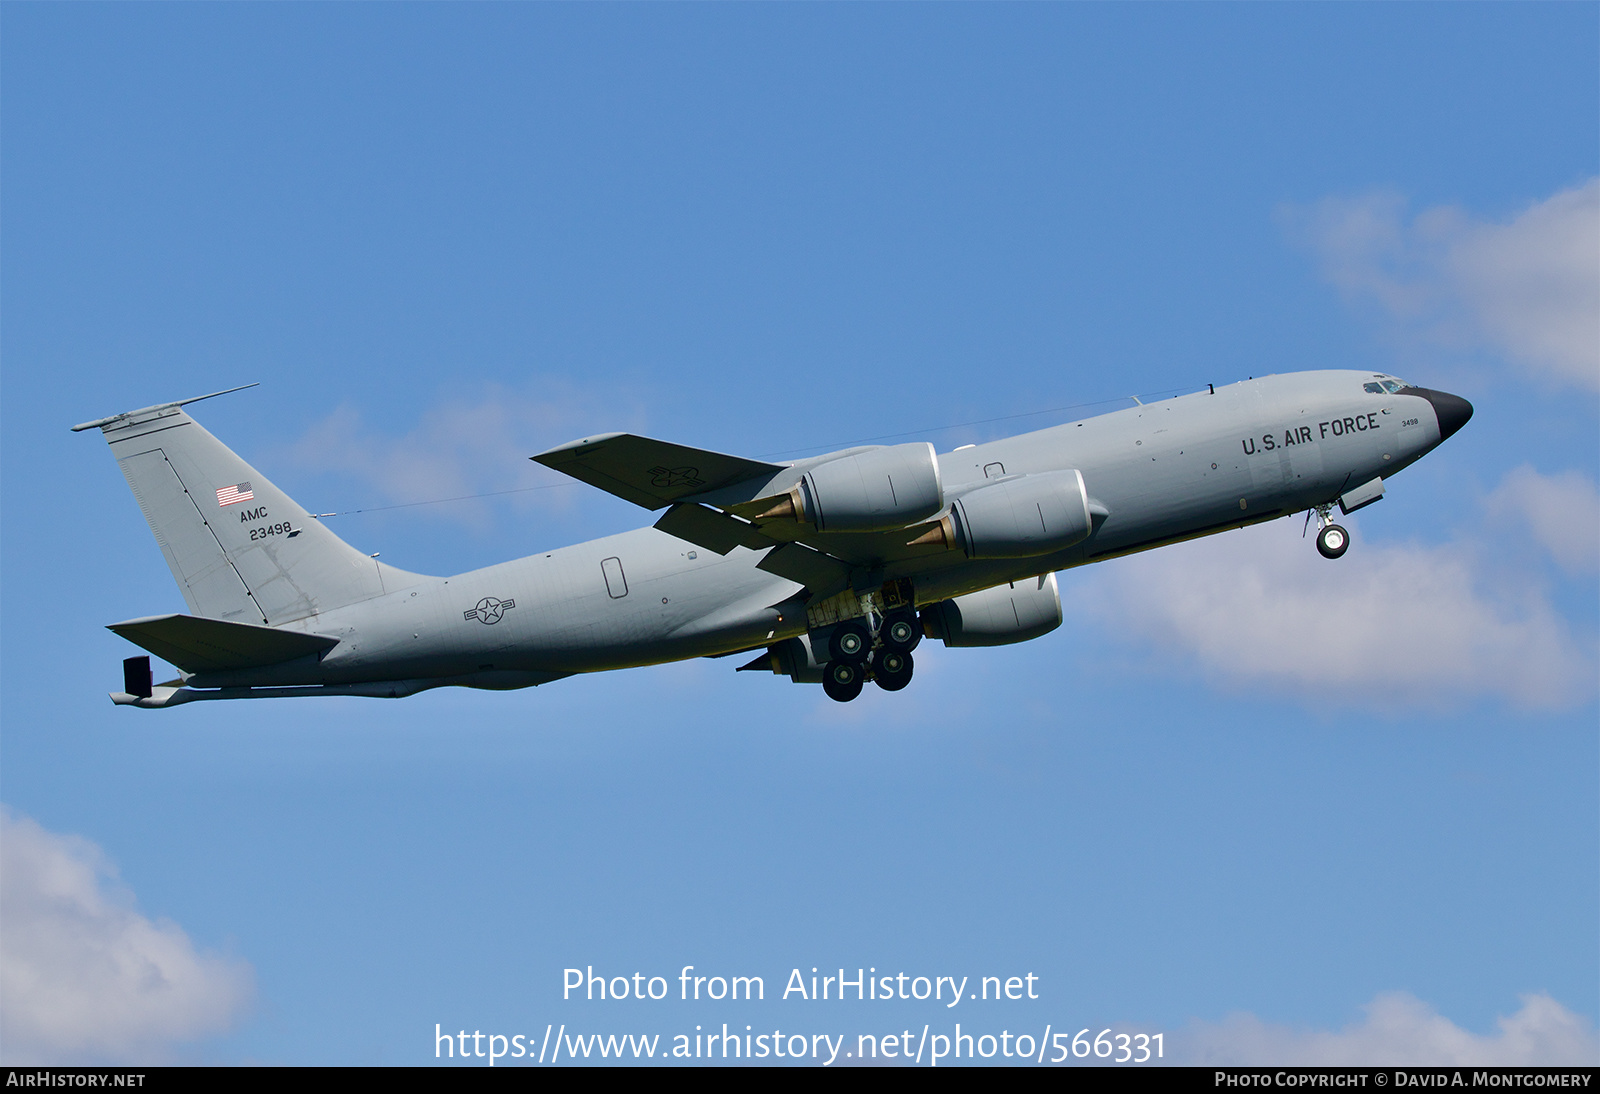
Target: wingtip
<point>573,447</point>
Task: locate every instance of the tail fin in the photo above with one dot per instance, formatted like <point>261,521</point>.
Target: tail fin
<point>239,548</point>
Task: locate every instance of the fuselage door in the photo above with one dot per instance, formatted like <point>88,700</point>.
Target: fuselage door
<point>616,581</point>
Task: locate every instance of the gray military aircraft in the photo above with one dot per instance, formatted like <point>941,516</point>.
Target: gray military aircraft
<point>833,567</point>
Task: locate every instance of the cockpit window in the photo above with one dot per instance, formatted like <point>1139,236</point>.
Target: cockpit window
<point>1392,386</point>
<point>1380,387</point>
<point>1372,389</point>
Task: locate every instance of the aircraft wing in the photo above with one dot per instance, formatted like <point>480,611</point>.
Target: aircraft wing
<point>208,645</point>
<point>652,473</point>
<point>718,501</point>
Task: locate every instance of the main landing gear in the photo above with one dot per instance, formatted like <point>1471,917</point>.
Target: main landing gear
<point>842,680</point>
<point>859,655</point>
<point>891,669</point>
<point>1332,539</point>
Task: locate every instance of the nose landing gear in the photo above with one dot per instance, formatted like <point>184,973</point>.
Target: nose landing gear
<point>1332,539</point>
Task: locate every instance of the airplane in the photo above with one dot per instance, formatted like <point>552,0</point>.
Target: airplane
<point>829,569</point>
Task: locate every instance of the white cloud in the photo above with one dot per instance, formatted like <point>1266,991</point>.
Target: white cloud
<point>1561,512</point>
<point>459,449</point>
<point>1528,288</point>
<point>1386,625</point>
<point>83,976</point>
<point>1399,1030</point>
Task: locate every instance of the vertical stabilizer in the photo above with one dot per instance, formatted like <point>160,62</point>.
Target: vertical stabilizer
<point>238,546</point>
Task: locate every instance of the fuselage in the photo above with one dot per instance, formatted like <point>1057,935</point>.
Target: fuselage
<point>1156,473</point>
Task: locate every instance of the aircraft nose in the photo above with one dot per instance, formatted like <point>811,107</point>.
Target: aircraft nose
<point>1452,411</point>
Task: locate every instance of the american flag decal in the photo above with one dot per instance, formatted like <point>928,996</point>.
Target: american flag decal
<point>233,495</point>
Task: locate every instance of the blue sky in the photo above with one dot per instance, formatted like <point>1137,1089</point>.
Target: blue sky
<point>1267,805</point>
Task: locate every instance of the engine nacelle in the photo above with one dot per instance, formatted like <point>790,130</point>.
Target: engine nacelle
<point>794,658</point>
<point>997,617</point>
<point>868,492</point>
<point>1033,515</point>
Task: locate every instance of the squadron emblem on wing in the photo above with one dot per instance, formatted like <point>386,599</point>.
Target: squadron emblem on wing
<point>667,477</point>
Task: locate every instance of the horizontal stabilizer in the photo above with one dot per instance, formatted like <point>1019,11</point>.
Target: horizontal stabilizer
<point>648,472</point>
<point>210,645</point>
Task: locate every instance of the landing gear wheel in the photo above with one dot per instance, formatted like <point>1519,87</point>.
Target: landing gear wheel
<point>892,669</point>
<point>1333,541</point>
<point>901,631</point>
<point>850,643</point>
<point>842,681</point>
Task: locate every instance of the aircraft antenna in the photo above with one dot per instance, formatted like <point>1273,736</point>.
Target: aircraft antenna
<point>79,428</point>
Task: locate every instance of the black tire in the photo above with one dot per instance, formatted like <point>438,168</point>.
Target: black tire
<point>850,642</point>
<point>842,681</point>
<point>901,631</point>
<point>892,669</point>
<point>1333,541</point>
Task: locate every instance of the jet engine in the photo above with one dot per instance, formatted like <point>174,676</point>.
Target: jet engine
<point>999,616</point>
<point>792,657</point>
<point>868,492</point>
<point>1018,518</point>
